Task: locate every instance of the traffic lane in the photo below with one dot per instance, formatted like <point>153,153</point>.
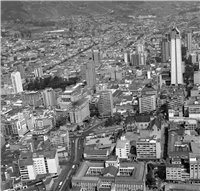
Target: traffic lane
<point>67,181</point>
<point>61,177</point>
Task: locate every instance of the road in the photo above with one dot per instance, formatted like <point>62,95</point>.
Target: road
<point>77,148</point>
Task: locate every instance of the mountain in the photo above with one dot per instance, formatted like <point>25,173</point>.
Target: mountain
<point>60,10</point>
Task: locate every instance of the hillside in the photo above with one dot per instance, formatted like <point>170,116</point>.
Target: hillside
<point>60,10</point>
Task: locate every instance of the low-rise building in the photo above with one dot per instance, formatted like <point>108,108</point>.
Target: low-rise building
<point>112,176</point>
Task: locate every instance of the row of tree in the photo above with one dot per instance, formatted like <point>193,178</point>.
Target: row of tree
<point>50,82</point>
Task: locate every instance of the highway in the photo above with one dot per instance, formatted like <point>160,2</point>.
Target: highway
<point>77,147</point>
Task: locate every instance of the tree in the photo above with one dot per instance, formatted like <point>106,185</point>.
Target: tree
<point>150,181</point>
<point>198,130</point>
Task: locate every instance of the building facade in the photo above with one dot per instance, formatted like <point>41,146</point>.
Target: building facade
<point>16,82</point>
<point>176,58</point>
<point>105,104</point>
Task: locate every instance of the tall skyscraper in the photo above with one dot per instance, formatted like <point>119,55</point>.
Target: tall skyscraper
<point>105,104</point>
<point>165,50</point>
<point>16,82</point>
<point>49,97</point>
<point>94,55</point>
<point>176,58</point>
<point>90,74</point>
<point>189,40</point>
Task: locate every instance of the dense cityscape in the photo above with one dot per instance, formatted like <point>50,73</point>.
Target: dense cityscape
<point>95,103</point>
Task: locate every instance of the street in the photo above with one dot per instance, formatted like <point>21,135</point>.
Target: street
<point>77,148</point>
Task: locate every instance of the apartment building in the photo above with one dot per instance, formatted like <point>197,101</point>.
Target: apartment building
<point>147,103</point>
<point>123,148</point>
<point>105,104</point>
<point>148,148</point>
<point>194,160</point>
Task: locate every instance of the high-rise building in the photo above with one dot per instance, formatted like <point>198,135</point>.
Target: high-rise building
<point>189,40</point>
<point>89,69</point>
<point>105,105</point>
<point>16,82</point>
<point>165,50</point>
<point>176,58</point>
<point>49,97</point>
<point>126,57</point>
<point>20,68</point>
<point>94,55</point>
<point>38,72</point>
<point>134,59</point>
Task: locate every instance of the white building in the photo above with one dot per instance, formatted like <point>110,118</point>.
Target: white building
<point>46,162</point>
<point>26,167</point>
<point>16,82</point>
<point>79,111</point>
<point>176,58</point>
<point>147,103</point>
<point>123,148</point>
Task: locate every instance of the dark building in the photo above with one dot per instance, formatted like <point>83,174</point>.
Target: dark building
<point>165,50</point>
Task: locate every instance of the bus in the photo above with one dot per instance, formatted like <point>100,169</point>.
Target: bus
<point>60,184</point>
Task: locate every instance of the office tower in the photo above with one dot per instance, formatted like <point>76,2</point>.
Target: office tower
<point>94,55</point>
<point>165,50</point>
<point>16,82</point>
<point>89,69</point>
<point>176,58</point>
<point>20,68</point>
<point>134,59</point>
<point>189,40</point>
<point>105,104</point>
<point>49,97</point>
<point>126,57</point>
<point>38,72</point>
